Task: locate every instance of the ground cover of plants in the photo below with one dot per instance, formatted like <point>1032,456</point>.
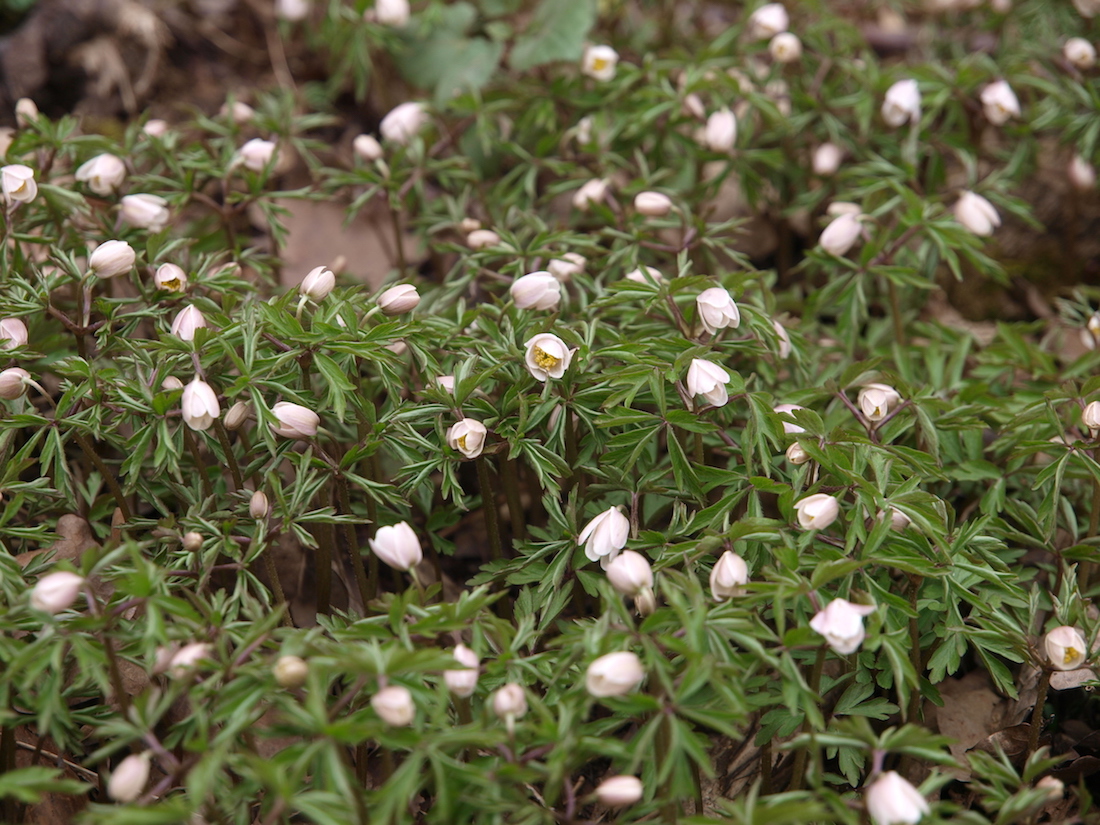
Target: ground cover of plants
<point>710,433</point>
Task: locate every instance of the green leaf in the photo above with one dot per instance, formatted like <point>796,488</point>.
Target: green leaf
<point>556,32</point>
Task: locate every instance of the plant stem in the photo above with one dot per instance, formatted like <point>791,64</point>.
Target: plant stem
<point>895,311</point>
<point>230,459</point>
<point>802,755</point>
<point>699,455</point>
<point>325,541</point>
<point>489,508</point>
<point>1037,714</point>
<point>353,544</point>
<point>107,475</point>
<point>914,648</point>
<point>510,478</point>
<point>1084,575</point>
<point>193,446</point>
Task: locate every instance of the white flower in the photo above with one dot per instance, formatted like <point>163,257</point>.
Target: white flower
<point>841,234</point>
<point>18,184</point>
<point>291,671</point>
<point>785,47</point>
<point>397,300</point>
<point>467,436</point>
<point>112,258</point>
<point>728,576</point>
<point>841,623</point>
<point>892,800</point>
<point>13,383</point>
<point>593,191</point>
<point>615,674</point>
<point>13,333</point>
<point>294,420</point>
<point>652,204</point>
<point>56,592</point>
<point>709,380</point>
<point>1081,174</point>
<point>646,275</point>
<point>155,128</point>
<point>240,412</point>
<point>318,283</point>
<point>717,309</point>
<point>25,112</point>
<point>568,265</point>
<point>547,356</point>
<point>1086,8</point>
<point>768,21</point>
<point>1066,648</point>
<point>720,133</point>
<point>367,148</point>
<point>789,427</point>
<point>838,208</point>
<point>239,112</point>
<point>145,212</point>
<point>599,62</point>
<point>404,122</point>
<point>129,779</point>
<point>630,573</point>
<point>796,454</point>
<point>170,278</point>
<point>784,339</point>
<point>482,238</point>
<point>899,522</point>
<point>398,546</point>
<point>510,702</point>
<point>256,154</point>
<point>291,10</point>
<point>394,705</point>
<point>258,505</point>
<point>999,103</point>
<point>200,405</point>
<point>605,536</point>
<point>189,319</point>
<point>463,682</point>
<point>1080,53</point>
<point>826,159</point>
<point>187,657</point>
<point>447,382</point>
<point>1090,417</point>
<point>619,791</point>
<point>876,401</point>
<point>976,214</point>
<point>536,290</point>
<point>902,103</point>
<point>817,512</point>
<point>103,174</point>
<point>391,12</point>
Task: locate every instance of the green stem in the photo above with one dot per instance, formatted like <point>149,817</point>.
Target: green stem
<point>669,813</point>
<point>489,507</point>
<point>230,459</point>
<point>273,576</point>
<point>325,541</point>
<point>107,475</point>
<point>1085,573</point>
<point>193,446</point>
<point>510,478</point>
<point>352,542</point>
<point>699,455</point>
<point>914,648</point>
<point>895,311</point>
<point>802,755</point>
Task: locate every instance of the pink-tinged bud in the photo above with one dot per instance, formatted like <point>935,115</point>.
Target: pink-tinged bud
<point>239,112</point>
<point>187,658</point>
<point>145,212</point>
<point>646,275</point>
<point>112,258</point>
<point>892,800</point>
<point>17,183</point>
<point>784,339</point>
<point>294,420</point>
<point>841,623</point>
<point>192,541</point>
<point>841,234</point>
<point>129,779</point>
<point>482,239</point>
<point>728,576</point>
<point>1055,788</point>
<point>619,791</point>
<point>104,174</point>
<point>536,290</point>
<point>391,12</point>
<point>720,133</point>
<point>171,384</point>
<point>394,705</point>
<point>291,672</point>
<point>56,592</point>
<point>367,148</point>
<point>397,300</point>
<point>446,382</point>
<point>827,159</point>
<point>652,204</point>
<point>318,283</point>
<point>568,265</point>
<point>404,122</point>
<point>615,674</point>
<point>398,546</point>
<point>463,682</point>
<point>510,702</point>
<point>13,333</point>
<point>13,383</point>
<point>768,21</point>
<point>200,405</point>
<point>899,521</point>
<point>591,192</point>
<point>976,214</point>
<point>256,154</point>
<point>155,128</point>
<point>258,506</point>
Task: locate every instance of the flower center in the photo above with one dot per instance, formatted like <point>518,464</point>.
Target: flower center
<point>172,285</point>
<point>544,359</point>
<point>1071,655</point>
<point>599,64</point>
<point>462,442</point>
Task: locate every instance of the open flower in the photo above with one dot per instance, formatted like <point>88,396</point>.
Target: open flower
<point>892,800</point>
<point>877,400</point>
<point>1066,648</point>
<point>605,536</point>
<point>818,511</point>
<point>1080,53</point>
<point>999,103</point>
<point>789,427</point>
<point>599,62</point>
<point>200,405</point>
<point>841,623</point>
<point>902,103</point>
<point>717,310</point>
<point>547,356</point>
<point>17,183</point>
<point>398,546</point>
<point>785,47</point>
<point>467,436</point>
<point>709,380</point>
<point>170,278</point>
<point>615,674</point>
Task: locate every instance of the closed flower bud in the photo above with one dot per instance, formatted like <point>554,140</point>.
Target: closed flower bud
<point>145,212</point>
<point>709,380</point>
<point>796,454</point>
<point>482,239</point>
<point>1090,417</point>
<point>404,122</point>
<point>567,266</point>
<point>599,62</point>
<point>394,705</point>
<point>200,405</point>
<point>256,154</point>
<point>240,412</point>
<point>1055,788</point>
<point>291,672</point>
<point>999,103</point>
<point>902,103</point>
<point>463,682</point>
<point>536,290</point>
<point>170,278</point>
<point>652,204</point>
<point>817,512</point>
<point>717,310</point>
<point>1086,8</point>
<point>187,658</point>
<point>467,436</point>
<point>469,224</point>
<point>593,191</point>
<point>446,382</point>
<point>26,112</point>
<point>619,791</point>
<point>1081,174</point>
<point>367,148</point>
<point>768,21</point>
<point>547,356</point>
<point>13,333</point>
<point>841,623</point>
<point>103,174</point>
<point>129,779</point>
<point>841,234</point>
<point>258,506</point>
<point>615,674</point>
<point>646,275</point>
<point>510,702</point>
<point>1080,53</point>
<point>397,300</point>
<point>112,258</point>
<point>728,576</point>
<point>294,420</point>
<point>192,541</point>
<point>785,47</point>
<point>784,339</point>
<point>391,12</point>
<point>318,283</point>
<point>976,214</point>
<point>826,159</point>
<point>17,183</point>
<point>892,800</point>
<point>1066,648</point>
<point>899,522</point>
<point>605,535</point>
<point>292,10</point>
<point>720,133</point>
<point>398,546</point>
<point>56,592</point>
<point>171,384</point>
<point>239,111</point>
<point>789,427</point>
<point>838,208</point>
<point>155,128</point>
<point>13,383</point>
<point>630,573</point>
<point>877,400</point>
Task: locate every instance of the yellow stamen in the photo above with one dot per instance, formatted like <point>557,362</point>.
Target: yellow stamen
<point>545,360</point>
<point>1071,655</point>
<point>172,285</point>
<point>462,442</point>
<point>599,64</point>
